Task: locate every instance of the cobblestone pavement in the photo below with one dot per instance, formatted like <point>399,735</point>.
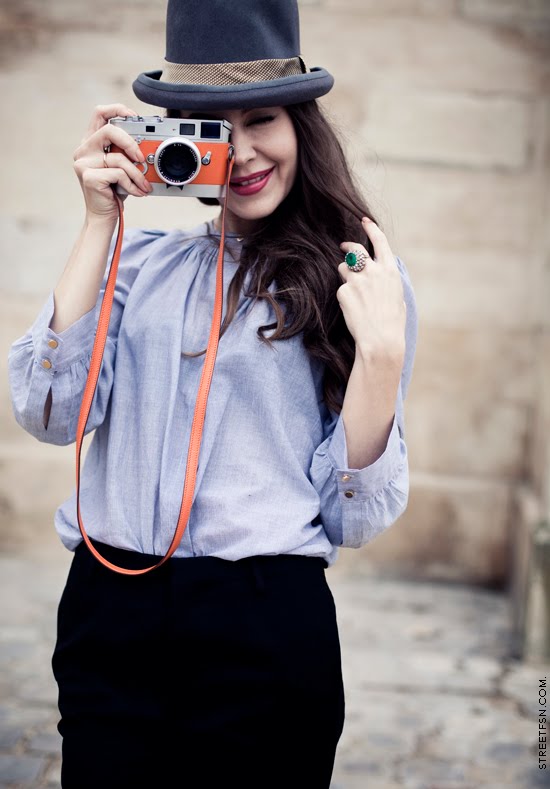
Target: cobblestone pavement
<point>433,700</point>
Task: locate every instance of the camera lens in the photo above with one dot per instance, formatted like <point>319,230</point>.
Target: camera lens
<point>177,163</point>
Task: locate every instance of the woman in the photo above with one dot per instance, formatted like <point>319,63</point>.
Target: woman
<point>223,665</point>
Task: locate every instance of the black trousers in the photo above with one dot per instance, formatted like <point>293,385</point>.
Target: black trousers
<point>203,673</point>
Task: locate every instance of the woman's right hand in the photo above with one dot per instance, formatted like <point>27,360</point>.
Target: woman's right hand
<point>95,179</point>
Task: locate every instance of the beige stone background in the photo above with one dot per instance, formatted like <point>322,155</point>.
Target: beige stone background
<point>444,108</point>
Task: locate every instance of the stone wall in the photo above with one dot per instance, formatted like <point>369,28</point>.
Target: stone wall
<point>444,110</point>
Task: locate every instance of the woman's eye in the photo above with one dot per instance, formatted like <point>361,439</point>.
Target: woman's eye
<point>263,119</point>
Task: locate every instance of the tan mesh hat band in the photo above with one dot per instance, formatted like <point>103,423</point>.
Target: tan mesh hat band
<point>232,73</point>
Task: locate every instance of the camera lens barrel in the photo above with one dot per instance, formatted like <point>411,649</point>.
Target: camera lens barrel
<point>177,161</point>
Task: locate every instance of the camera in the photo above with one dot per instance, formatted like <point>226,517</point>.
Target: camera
<point>183,157</point>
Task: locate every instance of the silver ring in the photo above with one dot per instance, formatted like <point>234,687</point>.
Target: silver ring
<point>356,261</point>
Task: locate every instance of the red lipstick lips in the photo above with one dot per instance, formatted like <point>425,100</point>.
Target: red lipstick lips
<point>243,187</point>
<point>249,177</point>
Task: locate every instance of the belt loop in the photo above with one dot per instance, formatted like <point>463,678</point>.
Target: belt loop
<point>87,561</point>
<point>258,575</point>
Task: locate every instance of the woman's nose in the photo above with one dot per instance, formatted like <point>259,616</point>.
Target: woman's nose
<point>244,150</point>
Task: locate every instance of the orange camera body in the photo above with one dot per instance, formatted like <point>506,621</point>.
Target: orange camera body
<point>183,156</point>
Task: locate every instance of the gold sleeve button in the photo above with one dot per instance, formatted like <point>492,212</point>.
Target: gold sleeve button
<point>53,343</point>
<point>349,493</point>
<point>345,477</point>
<point>46,363</point>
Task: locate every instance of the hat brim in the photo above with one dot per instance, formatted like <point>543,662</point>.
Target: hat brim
<point>149,88</point>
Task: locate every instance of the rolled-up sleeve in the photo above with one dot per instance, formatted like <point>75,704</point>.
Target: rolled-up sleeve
<point>358,504</point>
<point>43,360</point>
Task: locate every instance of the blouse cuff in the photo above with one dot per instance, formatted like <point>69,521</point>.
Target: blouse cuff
<point>56,351</point>
<point>361,484</point>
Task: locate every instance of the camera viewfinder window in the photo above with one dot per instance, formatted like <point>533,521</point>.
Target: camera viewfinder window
<point>187,129</point>
<point>211,130</point>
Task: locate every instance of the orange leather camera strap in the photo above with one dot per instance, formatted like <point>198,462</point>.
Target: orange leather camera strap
<point>202,397</point>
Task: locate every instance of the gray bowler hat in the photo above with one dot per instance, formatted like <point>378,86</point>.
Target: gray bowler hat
<point>224,54</point>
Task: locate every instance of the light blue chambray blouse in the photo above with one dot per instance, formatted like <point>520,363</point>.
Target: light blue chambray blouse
<point>273,471</point>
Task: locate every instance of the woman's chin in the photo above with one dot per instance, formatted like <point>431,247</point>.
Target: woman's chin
<point>251,208</point>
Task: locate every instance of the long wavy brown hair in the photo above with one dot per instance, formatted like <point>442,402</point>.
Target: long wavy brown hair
<point>298,247</point>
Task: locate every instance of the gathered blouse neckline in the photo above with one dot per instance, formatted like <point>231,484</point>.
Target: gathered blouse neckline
<point>211,229</point>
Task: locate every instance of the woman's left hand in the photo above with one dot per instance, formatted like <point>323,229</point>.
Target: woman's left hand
<point>372,299</point>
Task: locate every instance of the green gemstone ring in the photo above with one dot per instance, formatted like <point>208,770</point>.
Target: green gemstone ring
<point>356,260</point>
